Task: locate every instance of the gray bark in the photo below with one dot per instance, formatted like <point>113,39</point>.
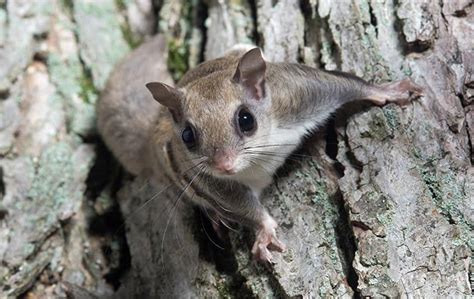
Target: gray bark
<point>380,205</point>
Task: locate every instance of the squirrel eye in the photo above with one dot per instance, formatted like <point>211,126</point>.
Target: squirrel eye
<point>188,137</point>
<point>246,121</point>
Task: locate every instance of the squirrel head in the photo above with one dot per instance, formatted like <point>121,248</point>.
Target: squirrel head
<point>225,118</point>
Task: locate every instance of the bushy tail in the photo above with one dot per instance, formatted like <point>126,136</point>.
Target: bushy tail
<point>126,110</point>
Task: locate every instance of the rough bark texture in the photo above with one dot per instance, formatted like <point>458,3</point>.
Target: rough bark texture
<point>380,205</point>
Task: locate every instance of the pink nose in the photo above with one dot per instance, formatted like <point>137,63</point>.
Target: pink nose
<point>224,160</point>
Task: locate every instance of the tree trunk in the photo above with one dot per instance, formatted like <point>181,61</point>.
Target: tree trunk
<point>380,204</point>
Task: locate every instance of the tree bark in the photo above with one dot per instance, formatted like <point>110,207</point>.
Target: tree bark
<point>379,204</point>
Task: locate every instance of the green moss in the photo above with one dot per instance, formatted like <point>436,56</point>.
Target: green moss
<point>321,192</point>
<point>417,153</point>
<point>236,3</point>
<point>132,40</point>
<point>121,4</point>
<point>317,190</point>
<point>406,69</point>
<point>177,62</point>
<point>180,39</point>
<point>391,117</point>
<point>224,289</point>
<point>70,77</point>
<point>431,181</point>
<point>67,6</point>
<point>88,91</point>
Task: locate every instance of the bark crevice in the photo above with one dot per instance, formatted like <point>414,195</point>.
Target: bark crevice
<point>346,243</point>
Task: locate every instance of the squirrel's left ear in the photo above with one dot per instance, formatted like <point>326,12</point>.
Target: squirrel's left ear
<point>250,73</point>
<point>167,96</point>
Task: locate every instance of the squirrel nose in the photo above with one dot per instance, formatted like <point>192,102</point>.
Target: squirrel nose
<point>224,160</point>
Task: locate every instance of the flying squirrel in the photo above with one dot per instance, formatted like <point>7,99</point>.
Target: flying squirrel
<point>223,131</point>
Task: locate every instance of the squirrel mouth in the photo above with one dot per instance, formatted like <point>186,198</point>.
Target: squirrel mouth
<point>226,172</point>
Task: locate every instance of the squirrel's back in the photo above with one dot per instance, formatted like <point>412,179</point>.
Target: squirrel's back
<point>126,109</point>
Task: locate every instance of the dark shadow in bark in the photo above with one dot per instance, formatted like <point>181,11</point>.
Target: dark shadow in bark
<point>105,179</point>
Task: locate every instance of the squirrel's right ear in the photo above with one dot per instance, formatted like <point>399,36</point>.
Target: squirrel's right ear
<point>250,73</point>
<point>166,95</point>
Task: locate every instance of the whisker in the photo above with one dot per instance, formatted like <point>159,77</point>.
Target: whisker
<point>209,216</point>
<point>303,155</point>
<point>261,166</point>
<point>261,137</point>
<point>228,226</point>
<point>274,153</point>
<point>155,196</point>
<point>270,145</point>
<point>220,205</point>
<point>282,158</point>
<point>257,139</point>
<point>173,209</point>
<point>208,236</point>
<point>281,154</point>
<point>192,159</point>
<point>142,206</point>
<point>177,235</point>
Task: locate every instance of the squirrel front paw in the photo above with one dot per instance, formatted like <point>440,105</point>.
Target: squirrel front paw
<point>400,92</point>
<point>266,240</point>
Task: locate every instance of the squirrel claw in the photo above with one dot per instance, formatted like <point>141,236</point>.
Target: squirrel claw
<point>400,92</point>
<point>266,240</point>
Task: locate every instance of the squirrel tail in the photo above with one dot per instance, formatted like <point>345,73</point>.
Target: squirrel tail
<point>126,110</point>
